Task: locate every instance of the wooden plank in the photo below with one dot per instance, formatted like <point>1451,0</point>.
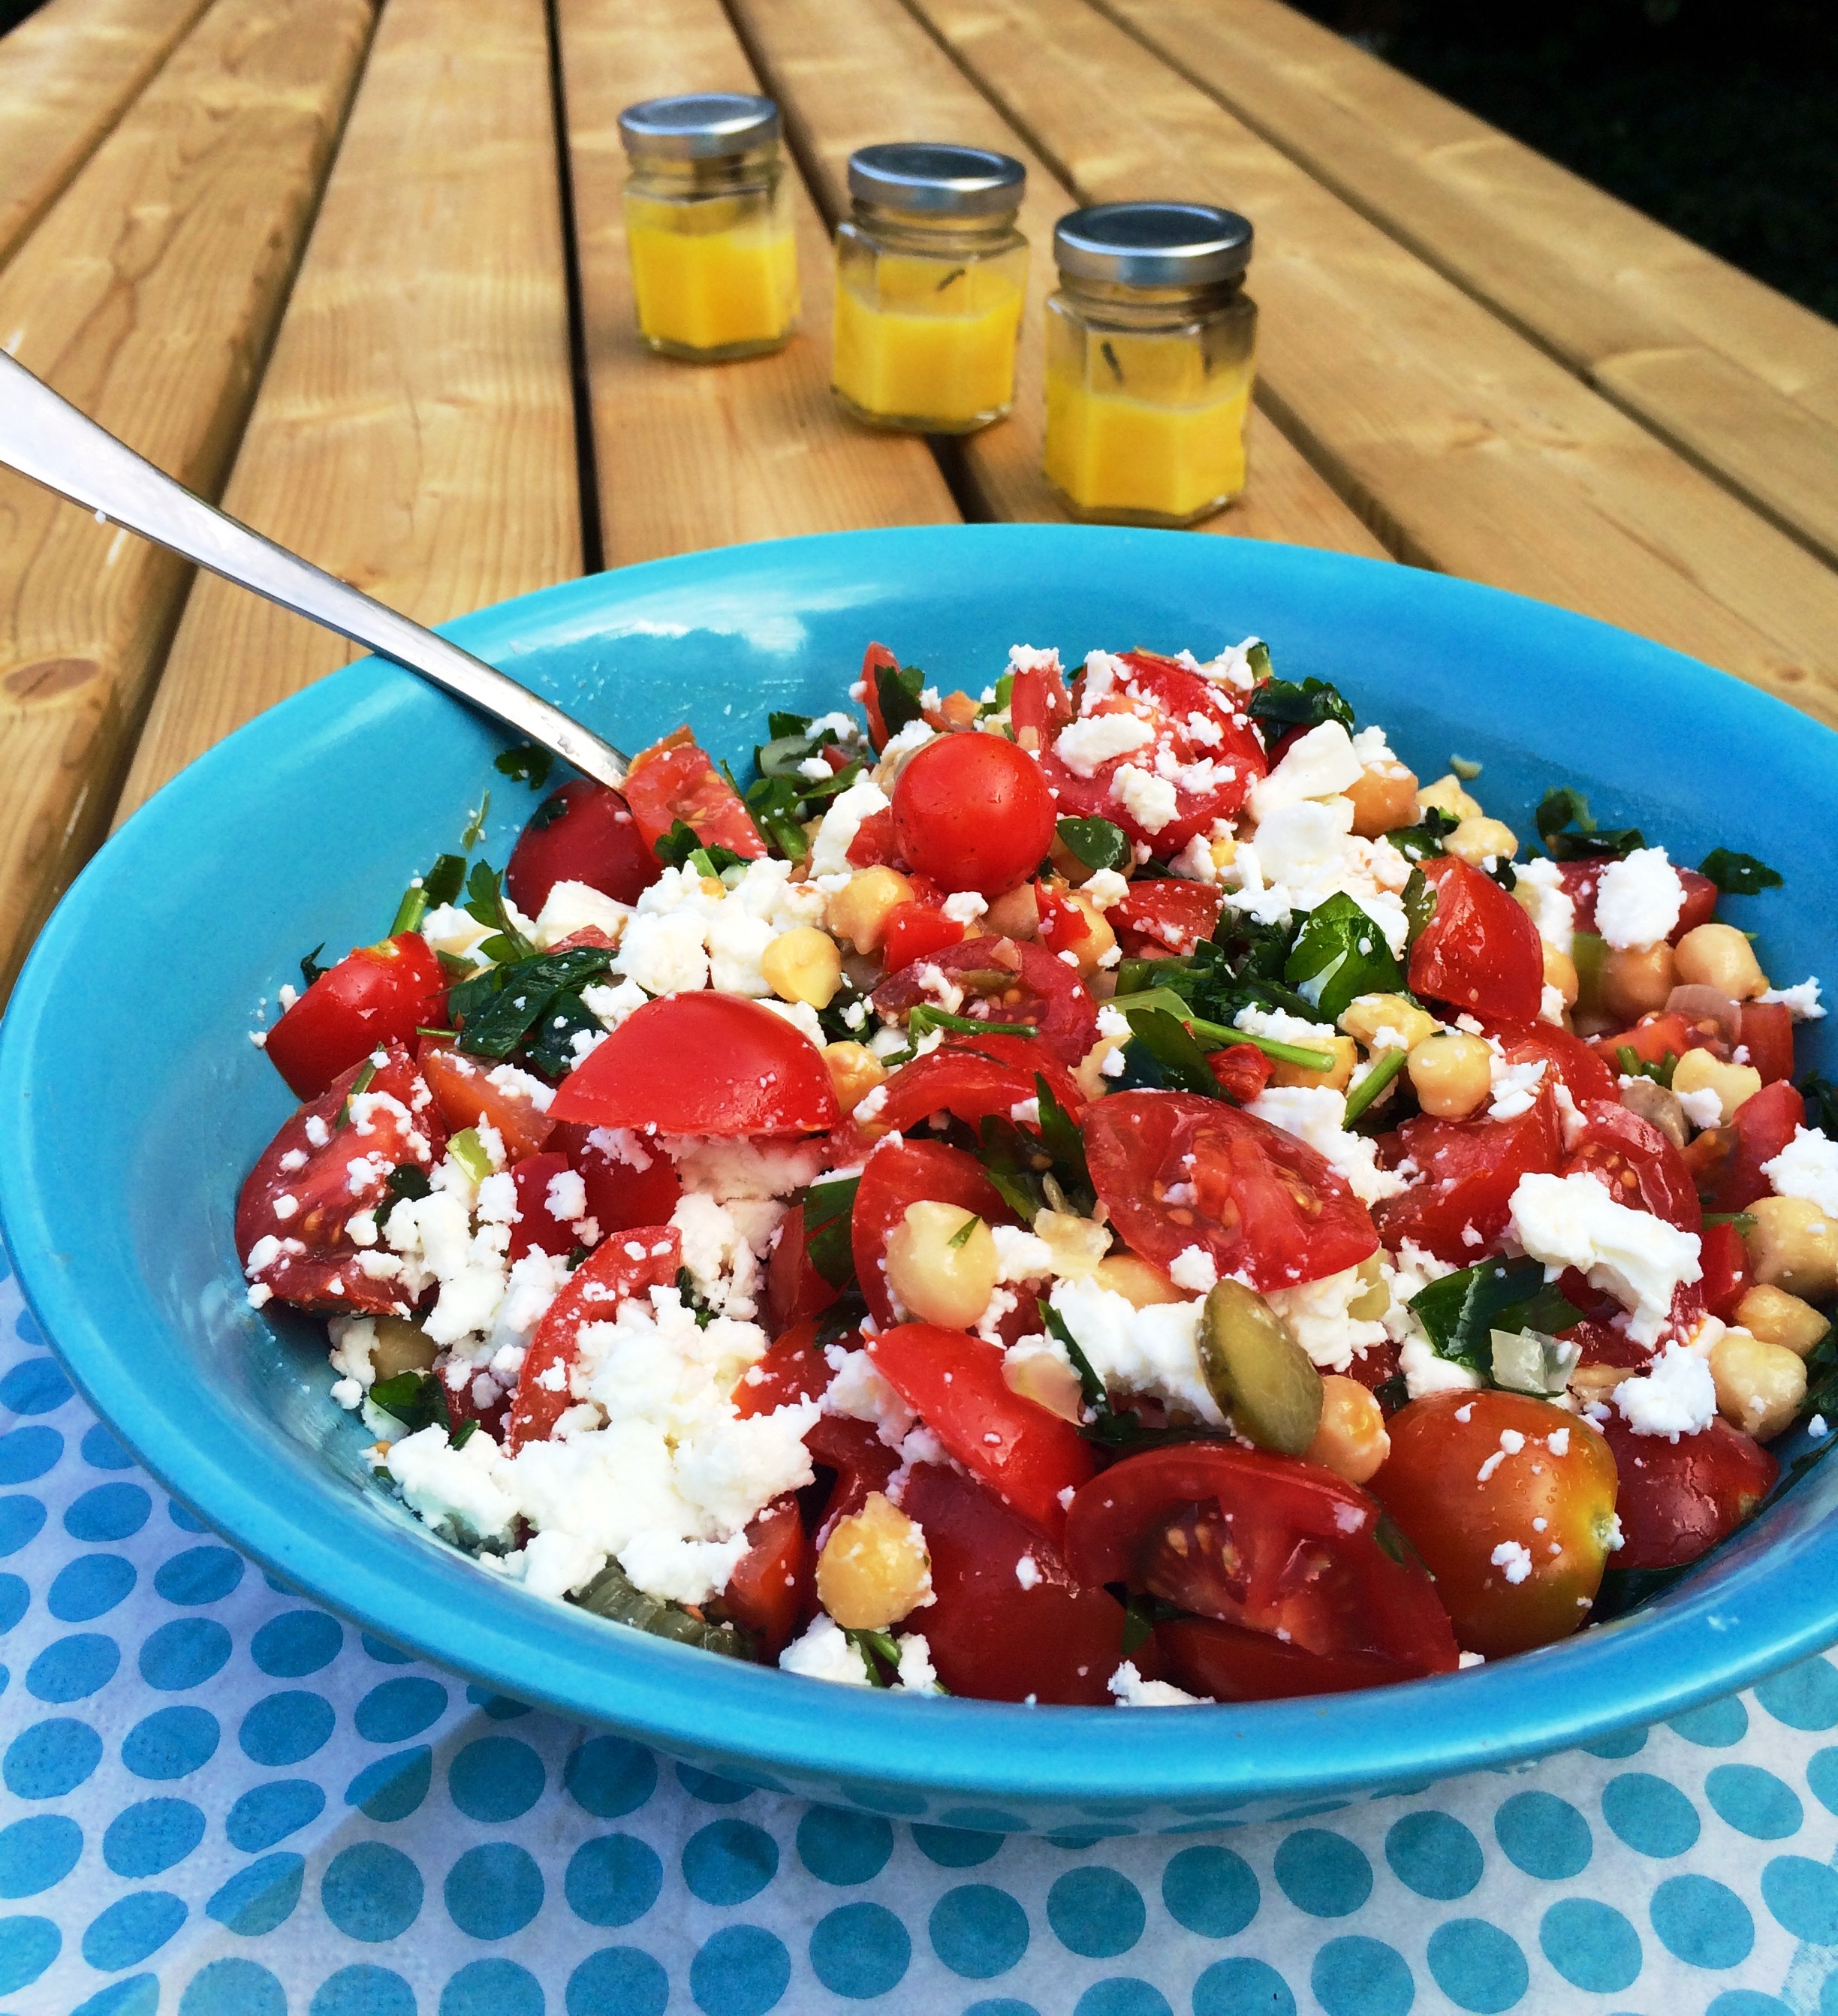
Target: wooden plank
<point>691,455</point>
<point>1482,454</point>
<point>887,77</point>
<point>1741,379</point>
<point>66,77</point>
<point>148,296</point>
<point>415,431</point>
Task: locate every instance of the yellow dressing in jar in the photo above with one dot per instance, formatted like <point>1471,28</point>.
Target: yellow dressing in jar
<point>931,275</point>
<point>709,227</point>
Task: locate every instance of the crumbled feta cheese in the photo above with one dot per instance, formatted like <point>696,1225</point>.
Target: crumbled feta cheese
<point>1678,1397</point>
<point>1802,1002</point>
<point>1703,1108</point>
<point>1150,800</point>
<point>1131,1690</point>
<point>460,1491</point>
<point>1638,899</point>
<point>1317,1114</point>
<point>824,1653</point>
<point>1807,1167</point>
<point>916,1675</point>
<point>1641,1260</point>
<point>1318,1315</point>
<point>965,906</point>
<point>575,906</point>
<point>1321,763</point>
<point>1515,1087</point>
<point>1515,1558</point>
<point>1104,889</point>
<point>1019,1256</point>
<point>1153,1351</point>
<point>829,852</point>
<point>456,932</point>
<point>1027,1572</point>
<point>858,1392</point>
<point>1193,1269</point>
<point>1299,842</point>
<point>1539,886</point>
<point>1085,746</point>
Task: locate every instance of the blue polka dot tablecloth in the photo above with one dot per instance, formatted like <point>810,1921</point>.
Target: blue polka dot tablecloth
<point>220,1801</point>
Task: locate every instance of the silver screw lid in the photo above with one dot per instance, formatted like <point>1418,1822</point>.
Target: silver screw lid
<point>701,125</point>
<point>940,180</point>
<point>1153,244</point>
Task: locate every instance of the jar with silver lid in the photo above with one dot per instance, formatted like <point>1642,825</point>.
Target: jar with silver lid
<point>931,276</point>
<point>709,227</point>
<point>1150,350</point>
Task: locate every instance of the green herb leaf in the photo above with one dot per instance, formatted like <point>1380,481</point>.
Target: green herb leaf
<point>1460,1313</point>
<point>675,847</point>
<point>1256,658</point>
<point>366,1072</point>
<point>898,689</point>
<point>417,1399</point>
<point>1091,1387</point>
<point>1820,1096</point>
<point>1339,954</point>
<point>1633,1065</point>
<point>445,880</point>
<point>1095,841</point>
<point>1421,841</point>
<point>1419,904</point>
<point>1389,1064</point>
<point>961,1237</point>
<point>1283,705</point>
<point>693,1300</point>
<point>484,903</point>
<point>613,1595</point>
<point>1169,1041</point>
<point>408,1179</point>
<point>469,1151</point>
<point>875,1647</point>
<point>922,1019</point>
<point>464,1432</point>
<point>527,761</point>
<point>310,968</point>
<point>554,807</point>
<point>528,990</point>
<point>1564,808</point>
<point>475,825</point>
<point>1060,1137</point>
<point>550,1046</point>
<point>1738,874</point>
<point>1003,692</point>
<point>1743,1221</point>
<point>829,1214</point>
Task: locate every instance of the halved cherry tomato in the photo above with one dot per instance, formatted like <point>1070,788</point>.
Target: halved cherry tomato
<point>795,1289</point>
<point>646,1258</point>
<point>1003,980</point>
<point>1457,1207</point>
<point>1726,1162</point>
<point>1582,882</point>
<point>974,1077</point>
<point>1766,1032</point>
<point>1635,1163</point>
<point>973,811</point>
<point>673,779</point>
<point>1511,1502</point>
<point>916,930</point>
<point>1260,1202</point>
<point>899,1173</point>
<point>1039,705</point>
<point>1652,1039</point>
<point>702,1063</point>
<point>1063,925</point>
<point>1264,1542</point>
<point>1574,1063</point>
<point>858,1459</point>
<point>474,1092</point>
<point>629,1180</point>
<point>375,996</point>
<point>1242,1070</point>
<point>537,1225</point>
<point>1051,1640</point>
<point>955,1384</point>
<point>877,658</point>
<point>1725,1262</point>
<point>1228,1663</point>
<point>1169,912</point>
<point>582,832</point>
<point>773,1586</point>
<point>1678,1498</point>
<point>1480,950</point>
<point>793,1369</point>
<point>877,844</point>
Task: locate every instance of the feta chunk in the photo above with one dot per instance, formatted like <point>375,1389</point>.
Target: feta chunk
<point>1639,1259</point>
<point>1807,1167</point>
<point>824,1653</point>
<point>1678,1397</point>
<point>1131,1690</point>
<point>830,853</point>
<point>1150,800</point>
<point>1153,1351</point>
<point>1086,746</point>
<point>1638,899</point>
<point>1321,763</point>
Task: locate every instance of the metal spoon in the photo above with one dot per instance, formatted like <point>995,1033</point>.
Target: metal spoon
<point>43,436</point>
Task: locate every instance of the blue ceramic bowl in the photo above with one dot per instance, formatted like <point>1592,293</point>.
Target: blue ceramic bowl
<point>133,1102</point>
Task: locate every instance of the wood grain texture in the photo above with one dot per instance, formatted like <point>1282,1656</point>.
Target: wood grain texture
<point>66,77</point>
<point>691,455</point>
<point>147,297</point>
<point>1473,450</point>
<point>415,431</point>
<point>886,78</point>
<point>1738,377</point>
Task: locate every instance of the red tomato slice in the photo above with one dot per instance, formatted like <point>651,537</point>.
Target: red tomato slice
<point>1652,1039</point>
<point>1766,1032</point>
<point>1039,705</point>
<point>646,1258</point>
<point>474,1092</point>
<point>629,1181</point>
<point>582,832</point>
<point>1063,925</point>
<point>899,1173</point>
<point>1725,1162</point>
<point>974,812</point>
<point>1260,1202</point>
<point>1242,1070</point>
<point>673,779</point>
<point>1003,980</point>
<point>795,1289</point>
<point>1266,1542</point>
<point>1459,1205</point>
<point>858,1460</point>
<point>462,1382</point>
<point>1725,1262</point>
<point>537,1226</point>
<point>702,1063</point>
<point>378,994</point>
<point>1582,881</point>
<point>774,1585</point>
<point>1636,1164</point>
<point>1579,1067</point>
<point>1480,950</point>
<point>1168,912</point>
<point>916,930</point>
<point>877,658</point>
<point>793,1369</point>
<point>955,1384</point>
<point>1677,1500</point>
<point>1230,1664</point>
<point>974,1077</point>
<point>1056,1640</point>
<point>877,844</point>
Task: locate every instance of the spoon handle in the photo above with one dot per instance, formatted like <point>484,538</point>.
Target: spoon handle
<point>45,437</point>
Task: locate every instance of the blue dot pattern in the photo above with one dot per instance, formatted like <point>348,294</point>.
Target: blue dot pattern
<point>217,1800</point>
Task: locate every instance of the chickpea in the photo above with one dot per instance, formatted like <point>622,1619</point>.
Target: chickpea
<point>1759,1386</point>
<point>1224,853</point>
<point>1447,794</point>
<point>1370,1306</point>
<point>854,1070</point>
<point>1384,797</point>
<point>941,1263</point>
<point>1336,1076</point>
<point>1477,840</point>
<point>1038,1372</point>
<point>1077,1244</point>
<point>1352,1440</point>
<point>402,1346</point>
<point>874,1568</point>
<point>1560,972</point>
<point>859,911</point>
<point>1635,982</point>
<point>803,964</point>
<point>1453,1073</point>
<point>1776,1317</point>
<point>1141,1285</point>
<point>1719,956</point>
<point>1366,1014</point>
<point>1794,1246</point>
<point>1100,938</point>
<point>1698,1071</point>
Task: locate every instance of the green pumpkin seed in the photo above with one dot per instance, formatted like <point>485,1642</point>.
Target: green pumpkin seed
<point>1257,1371</point>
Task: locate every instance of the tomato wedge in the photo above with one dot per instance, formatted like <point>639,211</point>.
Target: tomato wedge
<point>474,1092</point>
<point>1230,1664</point>
<point>1458,1204</point>
<point>702,1063</point>
<point>673,779</point>
<point>1677,1500</point>
<point>1167,912</point>
<point>974,1076</point>
<point>378,994</point>
<point>1725,1262</point>
<point>1175,1170</point>
<point>916,930</point>
<point>1636,1164</point>
<point>898,1173</point>
<point>537,1225</point>
<point>1039,705</point>
<point>1480,950</point>
<point>582,832</point>
<point>1001,980</point>
<point>773,1589</point>
<point>954,1383</point>
<point>1766,1032</point>
<point>876,659</point>
<point>1577,1066</point>
<point>793,1369</point>
<point>1726,1162</point>
<point>629,1181</point>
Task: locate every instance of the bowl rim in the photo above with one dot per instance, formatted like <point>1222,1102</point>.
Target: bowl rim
<point>1708,1639</point>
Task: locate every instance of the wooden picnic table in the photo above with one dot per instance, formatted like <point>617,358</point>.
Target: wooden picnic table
<point>356,267</point>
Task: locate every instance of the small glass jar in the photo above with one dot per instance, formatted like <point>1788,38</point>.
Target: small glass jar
<point>931,275</point>
<point>708,226</point>
<point>1150,344</point>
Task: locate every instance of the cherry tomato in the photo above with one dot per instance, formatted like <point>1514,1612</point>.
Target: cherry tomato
<point>1677,1499</point>
<point>1003,980</point>
<point>774,1585</point>
<point>1635,1163</point>
<point>474,1092</point>
<point>1511,1502</point>
<point>646,1258</point>
<point>1168,912</point>
<point>1457,1207</point>
<point>629,1180</point>
<point>702,1063</point>
<point>974,1077</point>
<point>876,844</point>
<point>916,930</point>
<point>1219,756</point>
<point>536,1225</point>
<point>1652,1039</point>
<point>795,1289</point>
<point>898,1173</point>
<point>582,832</point>
<point>673,779</point>
<point>859,1461</point>
<point>377,995</point>
<point>877,658</point>
<point>1582,883</point>
<point>793,1369</point>
<point>1725,1162</point>
<point>1480,950</point>
<point>1261,1202</point>
<point>955,1384</point>
<point>1766,1032</point>
<point>1725,1262</point>
<point>1053,1638</point>
<point>973,811</point>
<point>1230,1664</point>
<point>1242,1070</point>
<point>1265,1542</point>
<point>1572,1063</point>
